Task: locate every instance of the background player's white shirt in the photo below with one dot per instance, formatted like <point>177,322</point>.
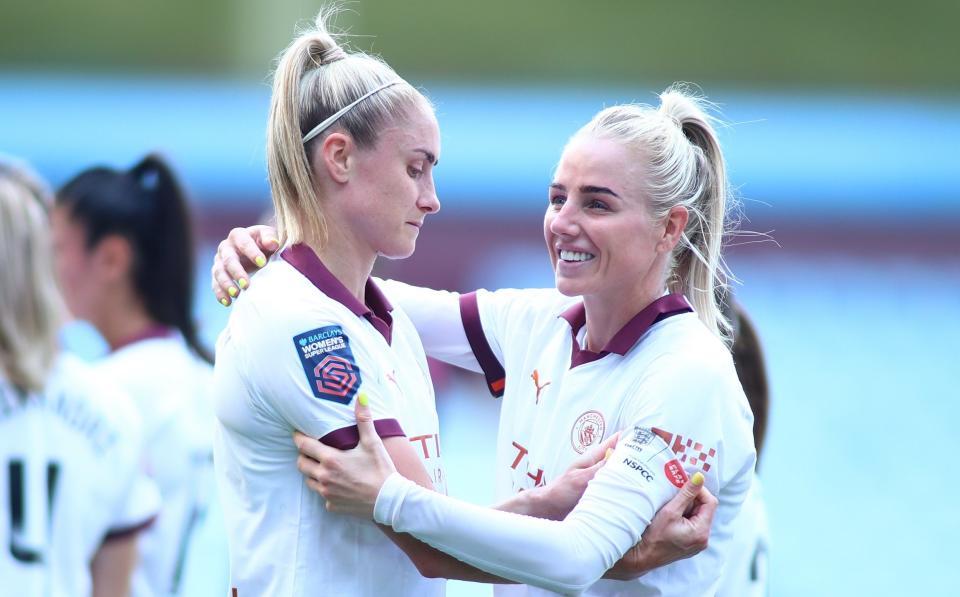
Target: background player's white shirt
<point>294,357</point>
<point>70,477</point>
<point>746,571</point>
<point>677,377</point>
<point>170,387</point>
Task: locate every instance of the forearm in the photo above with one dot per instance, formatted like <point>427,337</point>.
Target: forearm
<point>532,502</point>
<point>563,556</point>
<point>433,563</point>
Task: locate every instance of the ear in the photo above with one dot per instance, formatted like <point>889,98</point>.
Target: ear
<point>673,226</point>
<point>335,156</point>
<point>113,257</point>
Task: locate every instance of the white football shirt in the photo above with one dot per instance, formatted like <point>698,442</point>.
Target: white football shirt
<point>170,387</point>
<point>296,351</point>
<point>664,370</point>
<point>70,479</point>
<point>746,571</point>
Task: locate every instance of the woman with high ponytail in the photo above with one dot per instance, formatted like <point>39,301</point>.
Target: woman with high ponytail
<point>631,341</point>
<point>124,257</point>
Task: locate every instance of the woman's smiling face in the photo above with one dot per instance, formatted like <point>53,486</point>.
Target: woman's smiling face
<point>600,235</point>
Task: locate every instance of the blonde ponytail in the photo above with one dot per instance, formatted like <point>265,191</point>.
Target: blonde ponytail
<point>685,167</point>
<point>315,77</point>
<point>698,268</point>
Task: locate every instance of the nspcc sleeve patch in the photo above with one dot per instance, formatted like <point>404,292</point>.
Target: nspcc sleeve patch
<point>328,363</point>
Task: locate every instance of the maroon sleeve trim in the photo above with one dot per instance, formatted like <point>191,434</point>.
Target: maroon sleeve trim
<point>347,438</point>
<point>124,532</point>
<point>492,369</point>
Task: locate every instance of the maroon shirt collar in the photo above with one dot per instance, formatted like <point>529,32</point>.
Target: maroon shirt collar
<point>150,333</point>
<point>660,309</point>
<point>377,308</point>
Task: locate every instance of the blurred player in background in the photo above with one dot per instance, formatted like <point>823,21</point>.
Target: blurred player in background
<point>74,497</point>
<point>125,261</point>
<point>351,149</point>
<point>745,574</point>
<point>635,221</point>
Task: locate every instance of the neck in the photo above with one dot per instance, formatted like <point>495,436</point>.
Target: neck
<point>120,318</point>
<point>607,313</point>
<point>350,266</point>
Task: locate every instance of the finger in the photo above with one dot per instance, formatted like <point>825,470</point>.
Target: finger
<point>222,283</point>
<point>365,427</point>
<point>301,440</point>
<point>235,266</point>
<point>222,297</point>
<point>687,495</point>
<point>245,246</point>
<point>266,238</point>
<point>596,455</point>
<point>705,508</point>
<point>315,449</point>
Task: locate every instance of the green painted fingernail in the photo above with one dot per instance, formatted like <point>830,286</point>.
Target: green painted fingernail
<point>225,302</point>
<point>232,291</point>
<point>260,261</point>
<point>364,400</point>
<point>243,283</point>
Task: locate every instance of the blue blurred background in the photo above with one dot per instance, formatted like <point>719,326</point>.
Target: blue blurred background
<point>844,120</point>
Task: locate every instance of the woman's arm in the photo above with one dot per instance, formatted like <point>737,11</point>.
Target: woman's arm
<point>564,556</point>
<point>112,566</point>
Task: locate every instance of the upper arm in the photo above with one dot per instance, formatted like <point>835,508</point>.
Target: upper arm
<point>436,316</point>
<point>304,371</point>
<point>699,409</point>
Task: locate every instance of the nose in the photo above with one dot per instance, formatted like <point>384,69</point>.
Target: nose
<point>564,222</point>
<point>428,202</point>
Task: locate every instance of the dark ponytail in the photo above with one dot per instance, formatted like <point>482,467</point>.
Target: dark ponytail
<point>146,206</point>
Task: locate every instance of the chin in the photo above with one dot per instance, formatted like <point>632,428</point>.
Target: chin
<point>398,252</point>
<point>568,287</point>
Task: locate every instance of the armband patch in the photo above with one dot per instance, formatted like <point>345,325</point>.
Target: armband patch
<point>648,445</point>
<point>332,372</point>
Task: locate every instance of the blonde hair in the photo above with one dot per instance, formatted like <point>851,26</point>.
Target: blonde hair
<point>316,77</point>
<point>683,166</point>
<point>31,307</point>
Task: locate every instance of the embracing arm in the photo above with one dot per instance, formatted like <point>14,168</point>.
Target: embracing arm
<point>430,562</point>
<point>563,556</point>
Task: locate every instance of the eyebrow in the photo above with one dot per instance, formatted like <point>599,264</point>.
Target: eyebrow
<point>429,155</point>
<point>587,189</point>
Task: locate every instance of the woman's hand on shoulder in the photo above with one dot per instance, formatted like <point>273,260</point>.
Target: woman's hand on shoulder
<point>240,254</point>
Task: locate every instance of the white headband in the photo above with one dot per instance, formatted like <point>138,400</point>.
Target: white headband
<point>336,115</point>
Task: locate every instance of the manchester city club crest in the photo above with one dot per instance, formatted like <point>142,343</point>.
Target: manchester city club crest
<point>587,431</point>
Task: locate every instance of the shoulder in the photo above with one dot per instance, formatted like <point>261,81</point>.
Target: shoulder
<point>280,303</point>
<point>683,344</point>
<point>525,303</point>
<point>81,386</point>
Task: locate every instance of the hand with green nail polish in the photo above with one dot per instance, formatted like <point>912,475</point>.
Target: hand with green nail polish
<point>349,480</point>
<point>240,255</point>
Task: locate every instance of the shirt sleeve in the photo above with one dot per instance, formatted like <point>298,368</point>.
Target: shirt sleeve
<point>305,370</point>
<point>436,316</point>
<point>564,556</point>
<point>697,406</point>
<point>138,499</point>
